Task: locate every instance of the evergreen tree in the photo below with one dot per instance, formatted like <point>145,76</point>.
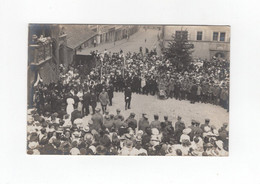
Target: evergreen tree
<point>179,50</point>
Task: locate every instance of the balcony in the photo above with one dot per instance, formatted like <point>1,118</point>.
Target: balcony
<point>39,53</point>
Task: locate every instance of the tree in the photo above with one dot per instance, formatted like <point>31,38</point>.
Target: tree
<point>179,50</point>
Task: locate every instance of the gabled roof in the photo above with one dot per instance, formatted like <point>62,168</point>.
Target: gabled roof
<point>77,34</point>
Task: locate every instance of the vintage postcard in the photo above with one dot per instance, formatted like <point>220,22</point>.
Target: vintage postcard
<point>130,90</point>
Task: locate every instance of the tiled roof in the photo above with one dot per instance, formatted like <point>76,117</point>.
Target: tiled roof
<point>77,34</point>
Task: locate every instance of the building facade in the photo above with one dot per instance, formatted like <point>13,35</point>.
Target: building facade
<point>49,46</point>
<point>112,33</point>
<point>208,41</point>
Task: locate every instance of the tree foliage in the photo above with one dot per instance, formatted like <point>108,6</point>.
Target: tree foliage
<point>179,50</point>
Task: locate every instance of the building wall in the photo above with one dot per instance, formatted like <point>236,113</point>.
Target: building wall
<point>207,47</point>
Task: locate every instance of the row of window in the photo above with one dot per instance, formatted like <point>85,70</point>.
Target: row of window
<point>217,36</point>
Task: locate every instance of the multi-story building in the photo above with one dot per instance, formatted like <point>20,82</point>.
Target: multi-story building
<point>111,33</point>
<point>50,45</point>
<point>208,41</point>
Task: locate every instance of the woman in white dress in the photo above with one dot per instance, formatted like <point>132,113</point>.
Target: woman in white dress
<point>80,105</point>
<point>70,108</point>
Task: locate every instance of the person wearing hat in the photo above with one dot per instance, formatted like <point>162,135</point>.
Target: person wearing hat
<point>143,122</point>
<point>207,121</point>
<point>223,134</point>
<point>199,89</point>
<point>97,119</point>
<point>197,130</point>
<point>108,122</point>
<point>224,98</point>
<point>185,135</point>
<point>118,122</point>
<point>128,149</point>
<point>192,127</point>
<point>131,121</point>
<point>168,123</point>
<point>86,102</point>
<point>177,87</point>
<point>193,93</point>
<point>128,97</point>
<point>204,92</point>
<point>93,101</point>
<point>216,93</point>
<point>104,100</point>
<point>110,92</point>
<point>179,127</point>
<point>75,115</point>
<point>220,148</point>
<point>119,115</point>
<point>156,123</point>
<point>197,146</point>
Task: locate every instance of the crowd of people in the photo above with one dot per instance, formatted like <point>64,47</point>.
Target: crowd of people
<point>110,134</point>
<point>56,125</point>
<point>201,81</point>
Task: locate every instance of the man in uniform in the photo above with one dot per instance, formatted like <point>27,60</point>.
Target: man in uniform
<point>118,115</point>
<point>104,100</point>
<point>97,119</point>
<point>205,124</point>
<point>156,123</point>
<point>223,135</point>
<point>131,121</point>
<point>143,123</point>
<point>179,127</point>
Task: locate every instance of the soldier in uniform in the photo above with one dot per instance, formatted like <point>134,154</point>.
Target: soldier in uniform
<point>156,123</point>
<point>143,123</point>
<point>205,124</point>
<point>131,121</point>
<point>179,127</point>
<point>118,115</point>
<point>224,98</point>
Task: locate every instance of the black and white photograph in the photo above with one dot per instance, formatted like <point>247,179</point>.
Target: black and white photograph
<point>128,90</point>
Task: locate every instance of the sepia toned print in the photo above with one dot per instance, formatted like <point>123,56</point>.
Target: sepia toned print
<point>130,90</point>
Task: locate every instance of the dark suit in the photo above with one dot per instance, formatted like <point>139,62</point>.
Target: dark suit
<point>93,102</point>
<point>110,92</point>
<point>86,103</point>
<point>128,95</point>
<point>74,115</point>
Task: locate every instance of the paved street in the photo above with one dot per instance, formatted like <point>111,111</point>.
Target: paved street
<point>135,41</point>
<point>171,107</point>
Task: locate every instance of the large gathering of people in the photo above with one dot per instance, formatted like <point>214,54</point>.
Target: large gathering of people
<point>56,126</point>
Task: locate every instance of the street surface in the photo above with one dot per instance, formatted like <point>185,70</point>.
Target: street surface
<point>171,107</point>
<point>133,44</point>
